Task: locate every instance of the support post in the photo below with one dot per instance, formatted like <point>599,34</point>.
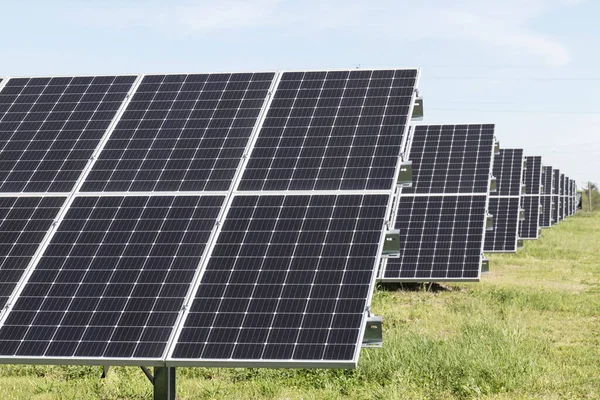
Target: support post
<point>164,383</point>
<point>590,196</point>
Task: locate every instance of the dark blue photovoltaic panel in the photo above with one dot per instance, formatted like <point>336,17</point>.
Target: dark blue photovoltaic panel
<point>533,175</point>
<point>182,133</point>
<point>440,238</point>
<point>332,130</point>
<point>547,181</point>
<point>561,184</point>
<point>288,279</point>
<point>50,127</point>
<point>113,279</point>
<point>529,228</point>
<point>505,212</point>
<point>562,208</point>
<point>24,223</point>
<point>547,206</point>
<point>508,169</point>
<point>556,197</point>
<point>451,158</point>
<point>547,199</point>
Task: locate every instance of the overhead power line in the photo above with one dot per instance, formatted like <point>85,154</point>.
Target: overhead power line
<point>515,111</point>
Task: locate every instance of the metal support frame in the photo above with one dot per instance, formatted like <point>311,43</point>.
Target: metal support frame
<point>164,383</point>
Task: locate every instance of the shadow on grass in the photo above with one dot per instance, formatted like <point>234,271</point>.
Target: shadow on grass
<point>432,287</point>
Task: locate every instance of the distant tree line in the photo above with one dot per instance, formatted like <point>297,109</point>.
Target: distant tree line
<point>595,197</point>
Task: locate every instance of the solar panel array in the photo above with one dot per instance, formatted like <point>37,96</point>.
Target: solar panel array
<point>442,218</point>
<point>504,204</point>
<point>236,219</point>
<point>530,200</point>
<point>207,219</point>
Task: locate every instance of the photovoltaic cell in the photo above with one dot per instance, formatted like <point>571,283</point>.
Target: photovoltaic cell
<point>50,127</point>
<point>505,212</point>
<point>508,170</point>
<point>288,280</point>
<point>24,222</point>
<point>113,279</point>
<point>440,238</point>
<point>533,175</point>
<point>528,229</point>
<point>332,130</point>
<point>182,133</point>
<point>451,158</point>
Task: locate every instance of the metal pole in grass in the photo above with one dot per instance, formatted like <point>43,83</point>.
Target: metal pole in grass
<point>590,195</point>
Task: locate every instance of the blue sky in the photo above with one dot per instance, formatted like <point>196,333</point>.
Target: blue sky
<point>532,67</point>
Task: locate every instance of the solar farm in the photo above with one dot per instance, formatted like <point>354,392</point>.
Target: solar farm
<point>243,219</point>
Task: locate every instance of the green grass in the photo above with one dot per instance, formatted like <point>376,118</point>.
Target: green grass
<point>530,329</point>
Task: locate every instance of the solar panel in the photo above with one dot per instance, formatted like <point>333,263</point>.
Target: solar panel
<point>556,197</point>
<point>451,158</point>
<point>547,203</point>
<point>531,199</point>
<point>569,196</point>
<point>503,238</point>
<point>547,181</point>
<point>533,175</point>
<point>547,198</point>
<point>123,275</point>
<point>287,282</point>
<point>335,130</point>
<point>442,227</point>
<point>529,227</point>
<point>504,203</point>
<point>573,196</point>
<point>182,133</point>
<point>113,279</point>
<point>50,127</point>
<point>566,197</point>
<point>440,238</point>
<point>562,197</point>
<point>24,222</point>
<point>508,170</point>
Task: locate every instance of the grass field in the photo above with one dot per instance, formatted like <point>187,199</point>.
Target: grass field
<point>530,329</point>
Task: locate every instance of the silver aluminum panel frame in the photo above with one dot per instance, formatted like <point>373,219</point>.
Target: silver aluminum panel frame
<point>133,362</point>
<point>3,83</point>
